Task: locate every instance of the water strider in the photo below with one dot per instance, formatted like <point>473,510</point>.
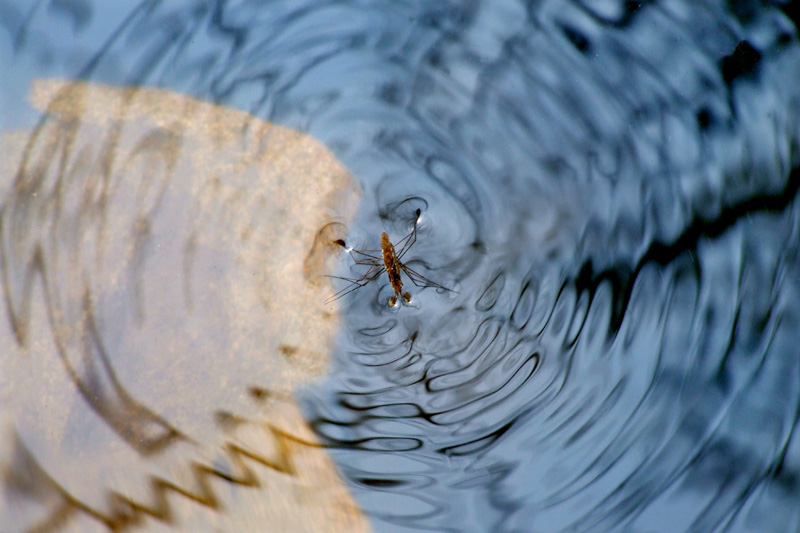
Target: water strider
<point>386,260</point>
<point>620,208</point>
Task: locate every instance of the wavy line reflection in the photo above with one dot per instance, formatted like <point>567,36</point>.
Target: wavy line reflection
<point>689,398</point>
<point>238,464</point>
<point>139,288</point>
<point>610,186</point>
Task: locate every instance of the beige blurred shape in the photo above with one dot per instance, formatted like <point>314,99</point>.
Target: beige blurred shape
<point>163,283</point>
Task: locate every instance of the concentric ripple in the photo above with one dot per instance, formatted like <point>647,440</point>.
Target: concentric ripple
<point>607,193</point>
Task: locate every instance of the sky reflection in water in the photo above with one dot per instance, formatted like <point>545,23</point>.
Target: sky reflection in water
<point>610,188</point>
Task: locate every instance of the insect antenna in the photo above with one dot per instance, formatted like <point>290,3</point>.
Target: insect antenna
<point>355,283</point>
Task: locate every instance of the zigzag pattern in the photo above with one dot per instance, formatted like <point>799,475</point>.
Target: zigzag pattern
<point>26,477</point>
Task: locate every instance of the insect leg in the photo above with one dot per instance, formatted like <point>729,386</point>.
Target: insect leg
<point>409,239</point>
<point>416,277</point>
<point>354,284</point>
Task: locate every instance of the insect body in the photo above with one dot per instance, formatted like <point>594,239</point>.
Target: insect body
<point>386,260</point>
<point>392,266</point>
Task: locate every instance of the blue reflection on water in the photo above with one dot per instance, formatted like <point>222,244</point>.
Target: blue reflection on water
<point>611,187</point>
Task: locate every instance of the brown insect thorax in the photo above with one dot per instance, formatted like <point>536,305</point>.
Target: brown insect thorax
<point>392,270</point>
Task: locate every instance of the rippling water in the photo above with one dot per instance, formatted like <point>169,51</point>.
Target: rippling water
<point>609,188</point>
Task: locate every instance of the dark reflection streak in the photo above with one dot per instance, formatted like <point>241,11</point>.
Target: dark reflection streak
<point>565,374</point>
<point>658,368</point>
<point>720,457</point>
<point>763,352</point>
<point>704,447</point>
<point>437,509</point>
<point>418,516</point>
<point>741,63</point>
<point>310,66</point>
<point>393,143</point>
<point>577,38</point>
<point>272,40</point>
<point>22,35</point>
<point>11,20</point>
<point>634,478</point>
<point>141,233</point>
<point>617,444</point>
<point>26,477</point>
<point>141,428</point>
<point>787,479</point>
<point>553,308</point>
<point>167,147</point>
<point>64,139</point>
<point>641,496</point>
<point>102,49</point>
<point>486,338</point>
<point>418,412</point>
<point>362,355</point>
<point>578,317</point>
<point>525,303</point>
<point>429,417</point>
<point>107,154</point>
<point>620,284</point>
<point>580,289</point>
<point>380,483</point>
<point>378,331</point>
<point>411,361</point>
<point>189,253</point>
<point>200,68</point>
<point>19,318</point>
<point>79,11</point>
<point>622,276</point>
<point>402,356</point>
<point>477,445</point>
<point>473,202</point>
<point>491,293</point>
<point>687,269</point>
<point>27,182</point>
<point>239,35</point>
<point>354,406</point>
<point>329,442</point>
<point>663,254</point>
<point>776,324</point>
<point>598,412</point>
<point>29,177</point>
<point>721,377</point>
<point>631,9</point>
<point>476,375</point>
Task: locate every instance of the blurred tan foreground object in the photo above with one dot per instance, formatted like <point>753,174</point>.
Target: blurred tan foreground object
<point>161,305</point>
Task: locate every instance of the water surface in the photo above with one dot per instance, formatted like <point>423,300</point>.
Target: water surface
<point>608,188</point>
